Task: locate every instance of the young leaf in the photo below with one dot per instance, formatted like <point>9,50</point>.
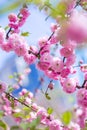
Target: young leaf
<point>11,76</point>
<point>3,125</point>
<point>66,117</point>
<point>47,96</point>
<point>25,34</point>
<point>49,110</point>
<point>1,114</point>
<point>16,128</point>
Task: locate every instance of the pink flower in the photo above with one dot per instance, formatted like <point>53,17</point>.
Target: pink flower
<point>25,12</point>
<point>77,29</point>
<point>65,72</point>
<point>43,65</point>
<point>54,26</point>
<point>70,60</point>
<point>82,97</point>
<point>51,85</point>
<point>12,17</point>
<point>16,39</point>
<point>53,40</point>
<point>46,57</point>
<point>66,51</point>
<point>83,67</point>
<point>28,101</point>
<point>45,49</point>
<point>42,113</point>
<point>21,22</point>
<point>69,85</point>
<point>7,47</point>
<point>7,110</point>
<point>20,49</point>
<point>69,44</point>
<point>23,92</point>
<point>42,41</point>
<point>13,25</point>
<point>29,58</point>
<point>52,74</point>
<point>55,125</point>
<point>3,87</point>
<point>57,64</point>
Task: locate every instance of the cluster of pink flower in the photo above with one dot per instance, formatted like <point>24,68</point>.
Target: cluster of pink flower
<point>69,34</point>
<point>11,106</point>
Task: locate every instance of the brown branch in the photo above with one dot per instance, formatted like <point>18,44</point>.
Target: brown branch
<point>16,99</point>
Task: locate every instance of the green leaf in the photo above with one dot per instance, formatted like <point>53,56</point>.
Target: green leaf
<point>25,34</point>
<point>59,10</point>
<point>84,5</point>
<point>10,89</point>
<point>3,125</point>
<point>6,27</point>
<point>66,117</point>
<point>16,128</point>
<point>11,76</point>
<point>1,114</point>
<point>49,110</point>
<point>18,114</point>
<point>47,96</point>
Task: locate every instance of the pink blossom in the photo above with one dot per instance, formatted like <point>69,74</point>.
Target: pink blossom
<point>65,72</point>
<point>33,49</point>
<point>53,40</point>
<point>30,95</point>
<point>29,58</point>
<point>21,22</point>
<point>66,51</point>
<point>45,49</point>
<point>23,92</point>
<point>55,125</point>
<point>46,57</point>
<point>3,87</point>
<point>57,64</point>
<point>43,65</point>
<point>82,97</point>
<point>54,26</point>
<point>83,67</point>
<point>69,85</point>
<point>12,17</point>
<point>7,110</point>
<point>28,101</point>
<point>42,113</point>
<point>13,25</point>
<point>74,126</point>
<point>69,44</point>
<point>51,85</point>
<point>70,60</point>
<point>52,74</point>
<point>85,76</point>
<point>25,12</point>
<point>34,106</point>
<point>7,47</point>
<point>20,49</point>
<point>16,39</point>
<point>42,41</point>
<point>77,29</point>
